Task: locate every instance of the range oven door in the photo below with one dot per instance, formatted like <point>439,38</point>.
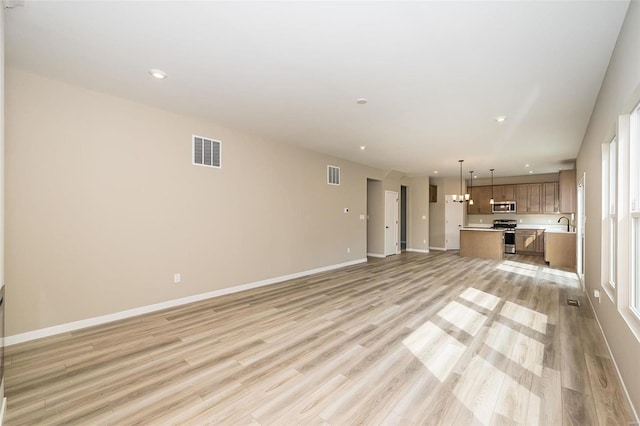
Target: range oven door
<point>510,242</point>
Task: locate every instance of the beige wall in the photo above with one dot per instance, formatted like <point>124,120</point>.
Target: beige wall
<point>104,206</point>
<point>436,216</point>
<point>417,213</point>
<point>375,211</point>
<point>523,219</point>
<point>446,186</point>
<point>619,93</point>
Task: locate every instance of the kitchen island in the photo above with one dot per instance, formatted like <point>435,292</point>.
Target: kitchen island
<point>482,242</point>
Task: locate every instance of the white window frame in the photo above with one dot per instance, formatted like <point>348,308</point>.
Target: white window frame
<point>609,217</point>
<point>627,206</point>
<point>634,213</point>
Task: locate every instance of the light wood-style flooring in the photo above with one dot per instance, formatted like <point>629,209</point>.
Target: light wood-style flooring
<point>412,339</point>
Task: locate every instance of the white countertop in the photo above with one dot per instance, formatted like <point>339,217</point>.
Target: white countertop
<point>468,228</point>
<point>548,227</point>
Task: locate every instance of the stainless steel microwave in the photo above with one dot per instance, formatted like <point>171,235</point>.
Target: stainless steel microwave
<point>504,207</point>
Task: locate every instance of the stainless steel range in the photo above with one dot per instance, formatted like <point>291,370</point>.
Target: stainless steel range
<point>509,226</point>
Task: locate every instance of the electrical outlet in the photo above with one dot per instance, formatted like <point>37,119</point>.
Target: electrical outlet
<point>177,278</point>
<point>348,249</point>
<point>481,221</point>
<point>424,217</point>
<point>424,241</point>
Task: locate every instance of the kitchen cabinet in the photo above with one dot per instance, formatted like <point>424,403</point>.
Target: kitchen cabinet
<point>560,249</point>
<point>551,198</point>
<point>504,192</point>
<point>528,198</point>
<point>567,191</point>
<point>530,241</point>
<point>482,243</point>
<point>481,196</point>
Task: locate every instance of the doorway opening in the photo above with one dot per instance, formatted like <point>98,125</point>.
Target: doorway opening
<point>403,218</point>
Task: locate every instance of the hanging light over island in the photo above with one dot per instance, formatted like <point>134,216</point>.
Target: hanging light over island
<point>461,197</point>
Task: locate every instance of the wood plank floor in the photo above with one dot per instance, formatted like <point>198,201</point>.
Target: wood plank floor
<point>412,339</point>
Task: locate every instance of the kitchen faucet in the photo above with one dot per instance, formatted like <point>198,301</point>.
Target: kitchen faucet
<point>564,217</point>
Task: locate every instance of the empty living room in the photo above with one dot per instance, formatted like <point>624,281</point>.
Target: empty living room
<point>336,213</point>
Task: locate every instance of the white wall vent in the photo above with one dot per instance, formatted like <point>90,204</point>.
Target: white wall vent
<point>206,152</point>
<point>333,175</point>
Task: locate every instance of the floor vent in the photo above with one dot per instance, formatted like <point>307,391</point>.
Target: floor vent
<point>573,302</point>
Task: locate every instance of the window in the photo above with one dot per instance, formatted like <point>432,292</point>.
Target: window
<point>612,217</point>
<point>609,216</point>
<point>634,207</point>
<point>206,152</point>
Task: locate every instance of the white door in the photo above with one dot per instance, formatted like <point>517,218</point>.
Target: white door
<point>453,217</point>
<point>390,223</point>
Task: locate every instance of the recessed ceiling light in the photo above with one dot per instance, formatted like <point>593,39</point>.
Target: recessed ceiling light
<point>527,165</point>
<point>475,177</point>
<point>501,118</point>
<point>363,147</point>
<point>435,172</point>
<point>361,101</point>
<point>159,74</point>
<point>530,171</point>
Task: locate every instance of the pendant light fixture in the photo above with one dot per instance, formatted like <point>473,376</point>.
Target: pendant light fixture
<point>471,188</point>
<point>461,197</point>
<point>491,201</point>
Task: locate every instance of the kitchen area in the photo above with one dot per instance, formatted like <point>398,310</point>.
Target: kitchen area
<point>523,219</point>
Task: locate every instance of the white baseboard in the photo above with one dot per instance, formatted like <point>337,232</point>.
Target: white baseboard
<point>376,255</point>
<point>438,248</point>
<point>3,410</point>
<point>418,250</point>
<point>90,322</point>
<point>606,342</point>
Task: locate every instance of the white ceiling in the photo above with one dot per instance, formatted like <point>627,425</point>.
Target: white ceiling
<point>435,73</point>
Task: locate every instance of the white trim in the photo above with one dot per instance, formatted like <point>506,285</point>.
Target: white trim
<point>437,248</point>
<point>90,322</point>
<point>418,250</point>
<point>376,255</point>
<point>604,336</point>
<point>3,409</point>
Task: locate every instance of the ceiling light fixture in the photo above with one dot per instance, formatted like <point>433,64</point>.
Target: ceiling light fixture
<point>527,165</point>
<point>461,197</point>
<point>362,147</point>
<point>491,201</point>
<point>159,74</point>
<point>530,171</point>
<point>435,172</point>
<point>501,118</point>
<point>361,101</point>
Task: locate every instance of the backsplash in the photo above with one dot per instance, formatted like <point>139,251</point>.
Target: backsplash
<point>537,221</point>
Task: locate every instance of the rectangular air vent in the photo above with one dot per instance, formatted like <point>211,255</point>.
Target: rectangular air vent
<point>333,175</point>
<point>206,152</point>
